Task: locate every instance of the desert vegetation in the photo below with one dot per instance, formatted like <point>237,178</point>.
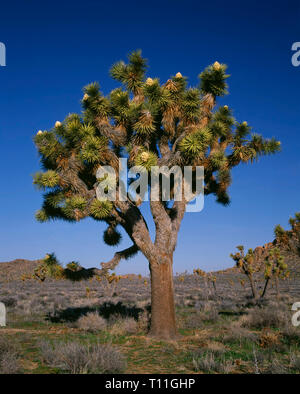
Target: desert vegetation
<point>56,326</point>
<point>67,319</point>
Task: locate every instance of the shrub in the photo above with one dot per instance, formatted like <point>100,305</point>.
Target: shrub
<point>130,325</point>
<point>238,334</point>
<point>77,358</point>
<point>265,317</point>
<point>290,335</point>
<point>208,362</point>
<point>123,326</point>
<point>9,361</point>
<point>212,316</point>
<point>143,321</point>
<point>276,367</point>
<point>194,321</point>
<point>9,364</point>
<point>269,338</point>
<point>216,348</point>
<point>295,362</point>
<point>92,322</point>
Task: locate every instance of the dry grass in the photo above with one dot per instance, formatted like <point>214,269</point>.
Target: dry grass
<point>227,333</point>
<point>236,333</point>
<point>77,358</point>
<point>92,322</point>
<point>268,338</point>
<point>9,358</point>
<point>123,326</point>
<point>270,316</point>
<point>295,362</point>
<point>209,362</point>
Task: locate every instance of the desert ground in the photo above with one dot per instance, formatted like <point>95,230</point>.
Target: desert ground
<point>59,326</point>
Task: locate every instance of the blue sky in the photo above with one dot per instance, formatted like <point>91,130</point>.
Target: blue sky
<point>55,48</point>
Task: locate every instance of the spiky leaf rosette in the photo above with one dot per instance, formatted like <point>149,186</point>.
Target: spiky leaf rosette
<point>275,265</point>
<point>146,159</point>
<point>100,209</point>
<point>213,80</point>
<point>111,236</point>
<point>49,179</point>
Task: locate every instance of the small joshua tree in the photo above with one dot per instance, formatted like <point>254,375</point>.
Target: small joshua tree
<point>151,124</point>
<point>289,239</point>
<point>202,274</point>
<point>212,279</point>
<point>110,282</point>
<point>208,278</point>
<point>49,267</point>
<point>276,268</point>
<point>248,265</point>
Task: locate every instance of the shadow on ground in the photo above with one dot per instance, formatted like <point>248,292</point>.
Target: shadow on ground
<point>105,310</point>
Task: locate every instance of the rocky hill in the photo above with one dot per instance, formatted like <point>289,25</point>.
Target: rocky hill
<point>13,270</point>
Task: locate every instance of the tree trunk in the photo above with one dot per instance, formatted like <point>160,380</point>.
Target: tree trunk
<point>163,325</point>
<point>265,288</point>
<point>277,286</point>
<point>207,291</point>
<point>215,288</point>
<point>252,285</point>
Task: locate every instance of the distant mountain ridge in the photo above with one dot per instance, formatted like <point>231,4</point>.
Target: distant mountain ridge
<point>15,269</point>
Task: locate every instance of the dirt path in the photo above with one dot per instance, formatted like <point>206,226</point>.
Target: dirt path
<point>50,330</point>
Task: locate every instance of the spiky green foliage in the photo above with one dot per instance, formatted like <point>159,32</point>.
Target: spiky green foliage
<point>191,105</point>
<point>247,264</point>
<point>146,159</point>
<point>150,123</point>
<point>49,267</point>
<point>100,209</point>
<point>145,124</point>
<point>213,80</point>
<point>111,236</point>
<point>289,239</point>
<point>278,231</point>
<point>131,74</point>
<point>92,148</point>
<point>74,207</point>
<point>41,216</point>
<point>73,266</point>
<point>47,179</point>
<point>275,264</point>
<point>196,144</point>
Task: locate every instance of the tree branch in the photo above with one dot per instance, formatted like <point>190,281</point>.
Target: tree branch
<point>117,136</point>
<point>178,214</point>
<point>123,254</point>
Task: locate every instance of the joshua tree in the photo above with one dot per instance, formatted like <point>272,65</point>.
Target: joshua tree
<point>208,278</point>
<point>247,264</point>
<point>275,267</point>
<point>49,267</point>
<point>213,279</point>
<point>202,274</point>
<point>151,124</point>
